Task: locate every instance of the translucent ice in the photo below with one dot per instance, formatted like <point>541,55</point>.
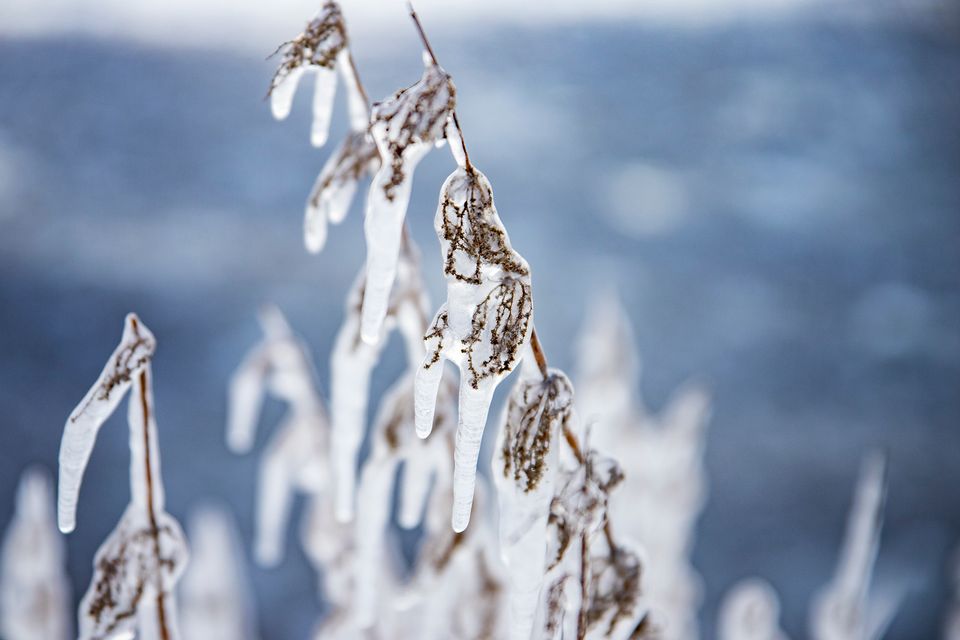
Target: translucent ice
<point>750,611</point>
<point>34,587</point>
<point>405,127</point>
<point>484,325</point>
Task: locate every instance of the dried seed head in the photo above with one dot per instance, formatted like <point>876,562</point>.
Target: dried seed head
<point>318,45</point>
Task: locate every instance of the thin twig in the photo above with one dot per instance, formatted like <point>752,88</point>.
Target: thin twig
<point>356,77</point>
<point>538,354</point>
<point>423,34</point>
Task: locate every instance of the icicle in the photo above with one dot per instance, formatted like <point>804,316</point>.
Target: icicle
<point>353,361</point>
<point>525,468</point>
<point>484,325</point>
<point>750,611</point>
<point>839,611</point>
<point>80,432</point>
<point>296,456</point>
<point>405,128</point>
<point>331,548</point>
<point>316,50</point>
<point>34,587</point>
<point>215,592</point>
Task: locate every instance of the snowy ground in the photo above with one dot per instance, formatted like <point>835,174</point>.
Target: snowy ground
<point>778,204</point>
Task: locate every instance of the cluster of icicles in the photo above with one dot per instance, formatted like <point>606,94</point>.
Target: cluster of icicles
<point>563,560</point>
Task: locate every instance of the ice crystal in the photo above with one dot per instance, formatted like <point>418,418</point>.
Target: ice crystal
<point>750,611</point>
<point>137,567</point>
<point>296,456</point>
<point>216,601</point>
<point>484,325</point>
<point>34,587</point>
<point>405,127</point>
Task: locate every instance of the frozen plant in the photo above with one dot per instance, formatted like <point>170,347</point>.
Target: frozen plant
<point>665,484</point>
<point>136,569</point>
<point>951,628</point>
<point>216,602</point>
<point>842,609</point>
<point>34,588</point>
<point>750,610</point>
<point>296,456</point>
<point>353,360</point>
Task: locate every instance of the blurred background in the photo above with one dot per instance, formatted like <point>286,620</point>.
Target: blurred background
<point>773,187</point>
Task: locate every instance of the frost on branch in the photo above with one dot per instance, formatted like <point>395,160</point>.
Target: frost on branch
<point>296,456</point>
<point>215,596</point>
<point>405,127</point>
<point>483,327</point>
<point>317,50</point>
<point>34,587</point>
<point>353,361</point>
<point>137,567</point>
<point>662,457</point>
<point>525,468</point>
<point>841,611</point>
<point>750,611</point>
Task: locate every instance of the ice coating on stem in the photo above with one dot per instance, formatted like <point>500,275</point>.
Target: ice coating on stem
<point>525,468</point>
<point>750,611</point>
<point>34,586</point>
<point>215,596</point>
<point>331,548</point>
<point>394,443</point>
<point>295,458</point>
<point>840,610</point>
<point>405,127</point>
<point>80,432</point>
<point>316,50</point>
<point>353,361</point>
<point>483,327</point>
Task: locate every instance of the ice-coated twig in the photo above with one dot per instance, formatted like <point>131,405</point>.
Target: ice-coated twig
<point>34,587</point>
<point>319,49</point>
<point>405,127</point>
<point>296,456</point>
<point>750,611</point>
<point>483,327</point>
<point>216,600</point>
<point>525,468</point>
<point>137,567</point>
<point>840,610</point>
<point>353,360</point>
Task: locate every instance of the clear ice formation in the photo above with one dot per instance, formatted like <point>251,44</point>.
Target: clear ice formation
<point>353,360</point>
<point>317,50</point>
<point>34,586</point>
<point>483,327</point>
<point>296,456</point>
<point>137,567</point>
<point>525,469</point>
<point>750,611</point>
<point>842,611</point>
<point>662,456</point>
<point>216,602</point>
<point>404,127</point>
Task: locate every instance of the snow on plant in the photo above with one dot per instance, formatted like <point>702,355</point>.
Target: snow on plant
<point>665,489</point>
<point>750,611</point>
<point>34,588</point>
<point>216,602</point>
<point>842,609</point>
<point>137,567</point>
<point>353,360</point>
<point>296,456</point>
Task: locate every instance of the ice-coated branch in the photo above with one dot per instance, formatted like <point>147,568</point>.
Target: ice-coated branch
<point>483,327</point>
<point>80,432</point>
<point>216,601</point>
<point>34,587</point>
<point>405,127</point>
<point>296,456</point>
<point>750,611</point>
<point>840,610</point>
<point>137,567</point>
<point>525,469</point>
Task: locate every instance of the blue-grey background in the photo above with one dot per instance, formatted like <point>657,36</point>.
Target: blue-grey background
<point>778,202</point>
